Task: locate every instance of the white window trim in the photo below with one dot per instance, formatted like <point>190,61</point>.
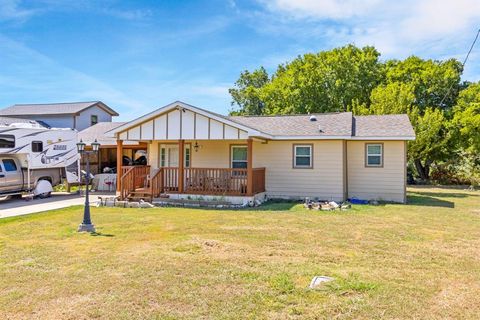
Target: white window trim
<point>295,146</point>
<point>367,154</point>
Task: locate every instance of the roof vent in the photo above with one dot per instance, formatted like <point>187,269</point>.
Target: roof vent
<point>320,129</point>
<point>313,118</point>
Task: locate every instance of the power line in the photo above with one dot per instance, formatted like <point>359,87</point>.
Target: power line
<point>463,65</point>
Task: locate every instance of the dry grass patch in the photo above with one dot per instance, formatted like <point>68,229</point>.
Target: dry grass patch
<point>391,261</point>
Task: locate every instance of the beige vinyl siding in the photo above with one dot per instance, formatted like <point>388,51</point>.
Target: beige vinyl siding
<point>323,181</point>
<point>212,154</point>
<point>381,183</point>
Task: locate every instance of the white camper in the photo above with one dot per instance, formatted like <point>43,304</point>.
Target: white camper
<point>34,159</point>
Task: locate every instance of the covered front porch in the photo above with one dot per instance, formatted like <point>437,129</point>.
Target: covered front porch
<point>190,151</point>
<point>165,174</point>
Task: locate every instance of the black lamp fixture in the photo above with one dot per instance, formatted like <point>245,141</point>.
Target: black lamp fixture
<point>86,225</point>
<point>196,146</point>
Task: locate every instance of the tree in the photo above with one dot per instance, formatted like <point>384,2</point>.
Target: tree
<point>430,142</point>
<point>391,98</point>
<point>466,119</point>
<point>432,80</point>
<point>246,93</point>
<point>322,82</point>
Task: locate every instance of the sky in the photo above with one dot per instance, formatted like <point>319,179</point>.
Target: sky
<point>137,56</point>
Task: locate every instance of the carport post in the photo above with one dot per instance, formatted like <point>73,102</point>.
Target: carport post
<point>119,164</point>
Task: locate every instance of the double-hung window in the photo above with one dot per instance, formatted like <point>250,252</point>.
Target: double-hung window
<point>239,157</point>
<point>374,155</point>
<point>303,156</point>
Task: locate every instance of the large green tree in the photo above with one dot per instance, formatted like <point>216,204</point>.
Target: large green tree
<point>466,119</point>
<point>321,82</point>
<point>246,92</point>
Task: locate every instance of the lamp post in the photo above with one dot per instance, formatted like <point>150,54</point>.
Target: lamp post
<point>86,225</point>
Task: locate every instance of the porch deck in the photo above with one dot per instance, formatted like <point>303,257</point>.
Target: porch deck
<point>143,182</point>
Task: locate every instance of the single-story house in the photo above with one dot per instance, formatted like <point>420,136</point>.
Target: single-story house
<point>107,153</point>
<point>331,156</point>
<point>75,115</point>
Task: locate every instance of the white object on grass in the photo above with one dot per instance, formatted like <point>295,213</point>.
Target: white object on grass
<point>319,280</point>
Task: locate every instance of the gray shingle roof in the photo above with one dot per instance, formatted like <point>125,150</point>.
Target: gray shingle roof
<point>330,124</point>
<point>98,131</point>
<point>391,125</point>
<point>53,108</point>
<point>327,124</point>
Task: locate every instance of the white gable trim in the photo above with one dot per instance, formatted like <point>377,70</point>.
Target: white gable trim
<point>170,108</point>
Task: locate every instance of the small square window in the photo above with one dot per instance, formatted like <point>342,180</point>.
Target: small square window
<point>93,120</point>
<point>374,155</point>
<point>37,146</point>
<point>302,156</point>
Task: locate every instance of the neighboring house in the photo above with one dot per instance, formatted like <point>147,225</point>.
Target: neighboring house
<point>107,155</point>
<point>75,115</point>
<point>332,156</point>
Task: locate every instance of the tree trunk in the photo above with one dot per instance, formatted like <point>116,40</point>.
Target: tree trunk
<point>423,170</point>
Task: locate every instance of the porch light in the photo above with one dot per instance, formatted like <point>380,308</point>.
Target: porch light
<point>95,146</point>
<point>196,146</point>
<point>81,146</point>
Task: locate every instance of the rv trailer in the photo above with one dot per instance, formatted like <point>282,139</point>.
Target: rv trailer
<point>34,159</point>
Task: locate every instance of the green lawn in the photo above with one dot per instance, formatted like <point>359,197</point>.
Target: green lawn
<point>420,261</point>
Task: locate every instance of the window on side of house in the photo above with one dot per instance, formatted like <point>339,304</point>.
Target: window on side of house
<point>9,165</point>
<point>37,146</point>
<point>374,155</point>
<point>188,156</point>
<point>93,119</point>
<point>239,157</point>
<point>7,141</point>
<point>303,156</point>
<point>163,157</point>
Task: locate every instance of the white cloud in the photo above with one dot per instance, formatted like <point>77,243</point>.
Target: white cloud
<point>431,28</point>
<point>11,10</point>
<point>324,9</point>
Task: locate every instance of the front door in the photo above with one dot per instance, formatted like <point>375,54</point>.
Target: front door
<point>172,159</point>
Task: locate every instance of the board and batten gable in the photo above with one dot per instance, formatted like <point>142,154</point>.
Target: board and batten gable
<point>182,124</point>
<point>386,182</point>
<point>83,119</point>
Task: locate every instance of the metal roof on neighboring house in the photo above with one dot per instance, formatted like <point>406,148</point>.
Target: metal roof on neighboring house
<point>54,108</point>
<point>98,131</point>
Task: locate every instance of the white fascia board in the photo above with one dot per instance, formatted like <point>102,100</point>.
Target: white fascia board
<point>383,138</point>
<point>311,137</point>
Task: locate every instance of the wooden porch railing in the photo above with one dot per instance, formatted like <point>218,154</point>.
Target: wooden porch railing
<point>133,177</point>
<point>208,181</point>
<point>216,181</point>
<point>156,183</point>
<point>258,180</point>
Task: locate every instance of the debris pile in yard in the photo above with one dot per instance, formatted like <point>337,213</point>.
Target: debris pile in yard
<point>113,202</point>
<point>325,205</point>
